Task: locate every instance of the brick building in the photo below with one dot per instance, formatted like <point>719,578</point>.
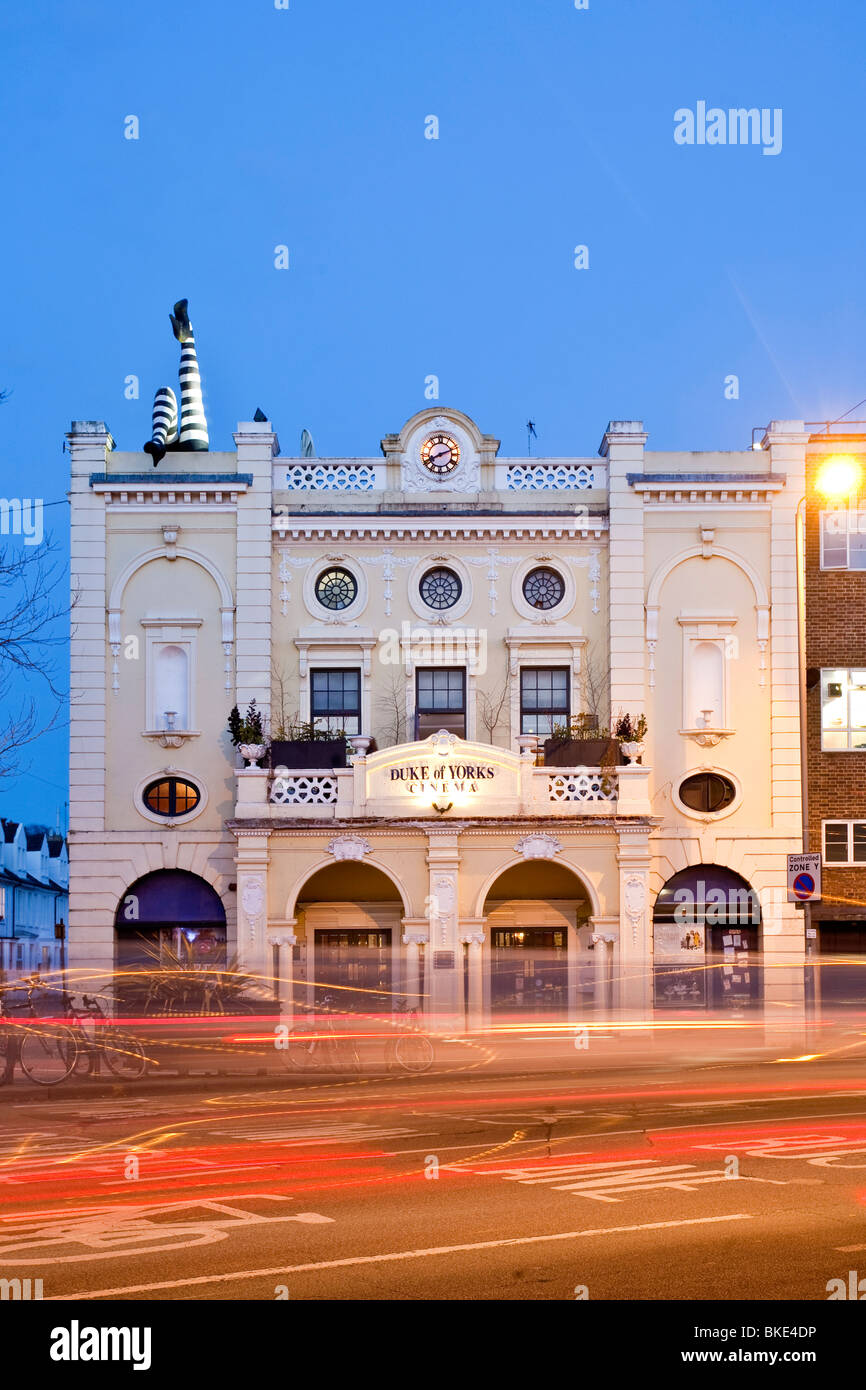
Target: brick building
<point>835,637</point>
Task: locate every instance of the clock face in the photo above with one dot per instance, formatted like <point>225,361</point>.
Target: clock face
<point>440,454</point>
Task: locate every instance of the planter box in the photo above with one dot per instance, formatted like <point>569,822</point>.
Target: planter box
<point>582,752</point>
<point>304,753</point>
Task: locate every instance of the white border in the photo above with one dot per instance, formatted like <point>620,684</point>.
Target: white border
<point>329,560</point>
<point>707,816</point>
<point>159,775</point>
<point>543,615</point>
<point>440,616</point>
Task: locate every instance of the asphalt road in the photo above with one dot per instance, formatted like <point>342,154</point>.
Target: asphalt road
<point>714,1180</point>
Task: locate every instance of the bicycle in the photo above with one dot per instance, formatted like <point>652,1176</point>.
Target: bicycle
<point>328,1048</point>
<point>119,1050</point>
<point>412,1050</point>
<point>46,1053</point>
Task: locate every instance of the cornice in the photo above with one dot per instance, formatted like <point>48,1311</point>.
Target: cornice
<point>426,528</point>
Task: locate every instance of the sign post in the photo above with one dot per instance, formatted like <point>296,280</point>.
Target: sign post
<point>804,878</point>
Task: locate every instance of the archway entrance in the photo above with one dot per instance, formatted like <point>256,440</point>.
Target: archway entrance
<point>168,920</point>
<point>537,922</point>
<point>707,941</point>
<point>349,918</point>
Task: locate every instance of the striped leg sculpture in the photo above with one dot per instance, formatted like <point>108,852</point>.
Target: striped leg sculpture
<point>193,425</point>
<point>164,424</point>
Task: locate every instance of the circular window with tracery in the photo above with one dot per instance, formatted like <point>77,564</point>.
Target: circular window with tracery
<point>336,589</point>
<point>441,588</point>
<point>543,588</point>
<point>171,796</point>
<point>706,792</point>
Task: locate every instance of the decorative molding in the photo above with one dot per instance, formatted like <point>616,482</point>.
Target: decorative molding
<point>634,901</point>
<point>349,847</point>
<point>538,847</point>
<point>253,902</point>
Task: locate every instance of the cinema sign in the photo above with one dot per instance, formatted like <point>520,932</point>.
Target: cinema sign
<point>443,773</point>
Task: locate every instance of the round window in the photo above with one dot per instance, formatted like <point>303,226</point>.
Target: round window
<point>441,588</point>
<point>543,587</point>
<point>336,588</point>
<point>707,792</point>
<point>171,796</point>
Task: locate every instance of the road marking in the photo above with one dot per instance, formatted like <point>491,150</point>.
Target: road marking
<point>322,1132</point>
<point>599,1183</point>
<point>394,1255</point>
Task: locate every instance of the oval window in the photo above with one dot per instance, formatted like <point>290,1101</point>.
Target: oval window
<point>706,792</point>
<point>171,796</point>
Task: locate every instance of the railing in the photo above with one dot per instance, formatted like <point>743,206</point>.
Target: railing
<point>548,477</point>
<point>319,475</point>
<point>345,794</point>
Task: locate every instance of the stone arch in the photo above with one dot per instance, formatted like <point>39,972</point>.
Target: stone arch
<point>170,552</point>
<point>330,862</point>
<point>517,860</point>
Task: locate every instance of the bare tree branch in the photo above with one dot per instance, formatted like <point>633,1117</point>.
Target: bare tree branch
<point>30,630</point>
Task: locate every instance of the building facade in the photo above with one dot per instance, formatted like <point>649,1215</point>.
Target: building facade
<point>34,902</point>
<point>835,660</point>
<point>449,610</point>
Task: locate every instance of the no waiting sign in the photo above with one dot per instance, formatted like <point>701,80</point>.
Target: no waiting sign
<point>804,878</point>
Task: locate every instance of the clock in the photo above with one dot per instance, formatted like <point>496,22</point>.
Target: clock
<point>440,455</point>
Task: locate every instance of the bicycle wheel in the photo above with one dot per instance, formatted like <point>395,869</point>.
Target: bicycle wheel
<point>414,1052</point>
<point>123,1054</point>
<point>48,1054</point>
<point>299,1052</point>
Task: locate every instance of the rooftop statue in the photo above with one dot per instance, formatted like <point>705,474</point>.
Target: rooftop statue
<point>193,426</point>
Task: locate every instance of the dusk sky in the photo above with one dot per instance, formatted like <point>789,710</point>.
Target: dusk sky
<point>305,127</point>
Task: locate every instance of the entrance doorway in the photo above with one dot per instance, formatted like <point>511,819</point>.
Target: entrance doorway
<point>349,917</point>
<point>539,956</point>
<point>707,941</point>
<point>169,921</point>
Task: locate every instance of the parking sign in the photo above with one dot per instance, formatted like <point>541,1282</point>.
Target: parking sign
<point>804,878</point>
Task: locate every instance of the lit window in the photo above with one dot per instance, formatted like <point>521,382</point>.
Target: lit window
<point>171,796</point>
<point>844,842</point>
<point>843,709</point>
<point>843,539</point>
<point>441,701</point>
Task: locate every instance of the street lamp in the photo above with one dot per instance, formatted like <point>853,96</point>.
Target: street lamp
<point>839,477</point>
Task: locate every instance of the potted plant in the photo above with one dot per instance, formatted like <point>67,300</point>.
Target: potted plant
<point>247,734</point>
<point>632,736</point>
<point>300,744</point>
<point>581,743</point>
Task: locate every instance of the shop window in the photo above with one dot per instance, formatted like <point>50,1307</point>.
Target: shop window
<point>843,709</point>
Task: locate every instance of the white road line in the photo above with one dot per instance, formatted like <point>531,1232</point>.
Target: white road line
<point>281,1270</point>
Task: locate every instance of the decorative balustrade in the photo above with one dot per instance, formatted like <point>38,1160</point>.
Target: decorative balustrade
<point>326,477</point>
<point>581,785</point>
<point>303,788</point>
<point>544,477</point>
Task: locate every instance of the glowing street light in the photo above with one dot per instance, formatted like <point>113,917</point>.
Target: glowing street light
<point>839,476</point>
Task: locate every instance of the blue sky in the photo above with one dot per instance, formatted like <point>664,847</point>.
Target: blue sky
<point>409,256</point>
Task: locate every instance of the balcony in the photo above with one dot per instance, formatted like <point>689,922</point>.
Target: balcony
<point>441,777</point>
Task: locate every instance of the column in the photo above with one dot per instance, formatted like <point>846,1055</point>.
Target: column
<point>444,967</point>
<point>257,446</point>
<point>475,941</point>
<point>634,993</point>
<point>285,941</point>
<point>623,446</point>
<point>415,935</point>
<point>252,923</point>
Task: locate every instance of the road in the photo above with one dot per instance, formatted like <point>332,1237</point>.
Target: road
<point>721,1179</point>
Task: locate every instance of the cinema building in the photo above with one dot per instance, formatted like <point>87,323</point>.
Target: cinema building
<point>466,621</point>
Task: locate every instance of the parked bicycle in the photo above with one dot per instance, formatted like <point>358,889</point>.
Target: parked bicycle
<point>97,1040</point>
<point>412,1049</point>
<point>45,1051</point>
<point>325,1049</point>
